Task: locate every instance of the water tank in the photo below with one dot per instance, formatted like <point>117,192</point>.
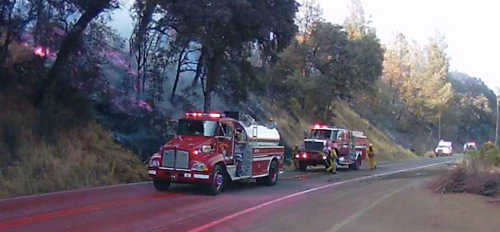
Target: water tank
<point>262,135</point>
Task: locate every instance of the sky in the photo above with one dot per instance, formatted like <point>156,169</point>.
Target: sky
<point>470,27</point>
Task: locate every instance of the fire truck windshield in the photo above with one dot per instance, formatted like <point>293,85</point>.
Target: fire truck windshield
<point>197,127</point>
<point>323,134</point>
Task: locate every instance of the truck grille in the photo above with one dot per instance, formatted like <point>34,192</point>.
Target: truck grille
<point>313,146</point>
<point>175,159</point>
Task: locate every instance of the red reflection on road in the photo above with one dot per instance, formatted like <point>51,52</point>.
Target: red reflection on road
<point>9,224</point>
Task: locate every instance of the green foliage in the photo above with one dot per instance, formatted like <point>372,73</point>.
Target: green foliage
<point>325,65</point>
<point>489,153</point>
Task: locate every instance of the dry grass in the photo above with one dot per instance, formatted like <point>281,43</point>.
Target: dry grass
<point>80,157</point>
<point>479,173</point>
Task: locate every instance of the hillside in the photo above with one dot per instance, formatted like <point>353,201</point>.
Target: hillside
<point>83,155</point>
<point>292,129</point>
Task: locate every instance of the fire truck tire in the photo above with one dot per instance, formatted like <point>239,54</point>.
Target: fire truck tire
<point>161,185</point>
<point>218,181</point>
<point>302,166</point>
<point>272,178</point>
<point>356,165</point>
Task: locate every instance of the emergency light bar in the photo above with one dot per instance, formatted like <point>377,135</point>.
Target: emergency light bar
<point>318,126</point>
<point>203,115</point>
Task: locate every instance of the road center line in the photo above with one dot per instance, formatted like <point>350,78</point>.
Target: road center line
<point>262,205</point>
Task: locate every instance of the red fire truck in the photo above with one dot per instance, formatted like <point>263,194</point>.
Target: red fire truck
<point>211,149</point>
<point>349,145</point>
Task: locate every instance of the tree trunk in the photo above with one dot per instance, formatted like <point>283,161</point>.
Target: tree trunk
<point>4,49</point>
<point>140,47</point>
<point>213,71</point>
<point>199,67</point>
<point>178,73</point>
<point>41,21</point>
<point>70,45</point>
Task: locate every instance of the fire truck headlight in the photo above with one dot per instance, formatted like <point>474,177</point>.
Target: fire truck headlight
<point>198,166</point>
<point>341,158</point>
<point>297,156</point>
<point>154,163</point>
<point>206,148</point>
<point>324,157</point>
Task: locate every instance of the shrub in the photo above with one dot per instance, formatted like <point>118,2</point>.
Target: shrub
<point>430,154</point>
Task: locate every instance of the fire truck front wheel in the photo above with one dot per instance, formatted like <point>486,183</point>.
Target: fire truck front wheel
<point>218,180</point>
<point>161,185</point>
<point>356,165</point>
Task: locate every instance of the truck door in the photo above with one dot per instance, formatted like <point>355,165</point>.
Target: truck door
<point>226,142</point>
<point>242,152</point>
<point>343,142</point>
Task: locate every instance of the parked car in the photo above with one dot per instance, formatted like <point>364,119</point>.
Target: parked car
<point>444,148</point>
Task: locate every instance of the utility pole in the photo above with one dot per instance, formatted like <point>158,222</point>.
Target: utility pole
<point>498,118</point>
<point>439,127</point>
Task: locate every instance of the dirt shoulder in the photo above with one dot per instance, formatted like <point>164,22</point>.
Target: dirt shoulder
<point>418,208</point>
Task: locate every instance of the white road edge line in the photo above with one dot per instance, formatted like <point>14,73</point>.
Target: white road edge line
<point>73,191</point>
<point>254,208</point>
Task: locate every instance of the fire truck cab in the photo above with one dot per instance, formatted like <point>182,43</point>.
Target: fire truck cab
<point>211,149</point>
<point>322,139</point>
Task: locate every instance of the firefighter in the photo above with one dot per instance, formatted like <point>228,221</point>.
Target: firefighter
<point>332,157</point>
<point>371,157</point>
<point>295,151</point>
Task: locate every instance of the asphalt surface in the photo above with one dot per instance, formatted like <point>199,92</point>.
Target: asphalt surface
<point>311,201</point>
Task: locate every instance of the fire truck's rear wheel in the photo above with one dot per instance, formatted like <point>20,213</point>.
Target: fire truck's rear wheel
<point>161,185</point>
<point>218,181</point>
<point>302,166</point>
<point>273,175</point>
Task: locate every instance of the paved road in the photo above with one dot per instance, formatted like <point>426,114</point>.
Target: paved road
<point>311,202</point>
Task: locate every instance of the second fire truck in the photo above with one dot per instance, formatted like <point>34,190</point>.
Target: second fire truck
<point>349,145</point>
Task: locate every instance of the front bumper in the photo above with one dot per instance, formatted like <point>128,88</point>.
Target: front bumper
<point>443,152</point>
<point>313,158</point>
<point>343,160</point>
<point>180,176</point>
